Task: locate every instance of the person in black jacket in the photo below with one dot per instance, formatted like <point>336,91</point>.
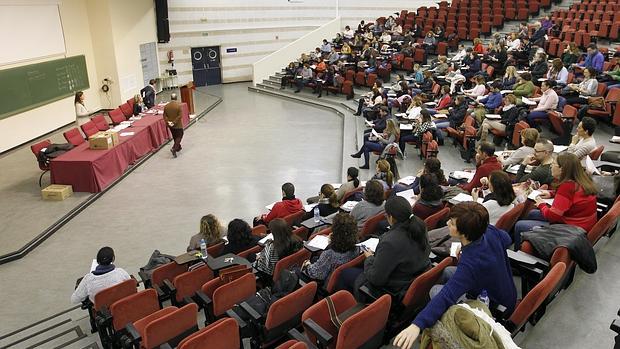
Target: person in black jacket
<point>240,238</point>
<point>402,252</point>
<point>327,202</point>
<point>539,67</point>
<point>148,94</point>
<point>509,114</point>
<point>138,105</point>
<point>457,114</point>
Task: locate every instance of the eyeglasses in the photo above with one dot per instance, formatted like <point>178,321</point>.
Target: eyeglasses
<point>539,151</point>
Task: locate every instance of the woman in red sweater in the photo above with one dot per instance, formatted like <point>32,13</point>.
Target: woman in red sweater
<point>574,200</point>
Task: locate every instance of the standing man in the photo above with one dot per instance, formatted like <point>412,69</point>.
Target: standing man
<point>148,94</point>
<point>172,115</point>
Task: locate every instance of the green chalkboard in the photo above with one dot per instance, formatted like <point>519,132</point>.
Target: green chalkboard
<point>34,85</point>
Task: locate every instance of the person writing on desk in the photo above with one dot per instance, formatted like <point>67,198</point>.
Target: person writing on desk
<point>172,116</point>
<point>148,94</point>
<point>105,275</point>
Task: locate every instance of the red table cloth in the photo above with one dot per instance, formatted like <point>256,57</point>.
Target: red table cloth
<point>92,171</point>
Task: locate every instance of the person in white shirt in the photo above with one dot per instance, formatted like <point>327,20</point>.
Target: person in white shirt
<point>385,38</point>
<point>397,30</point>
<point>546,103</point>
<point>558,72</point>
<point>348,33</point>
<point>583,143</point>
<point>326,48</point>
<point>514,43</point>
<point>105,275</point>
<point>501,197</point>
<point>80,109</point>
<point>479,90</point>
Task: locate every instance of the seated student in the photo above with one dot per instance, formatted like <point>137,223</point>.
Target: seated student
<point>501,197</point>
<point>105,275</point>
<point>305,76</point>
<point>471,65</point>
<point>289,205</point>
<point>558,73</point>
<point>369,101</point>
<point>574,200</point>
<point>594,60</point>
<point>420,126</point>
<point>546,103</point>
<point>327,202</point>
<point>483,265</point>
<point>348,33</point>
<point>414,109</point>
<point>486,162</point>
<point>510,78</point>
<point>583,143</point>
<point>401,254</point>
<point>480,89</point>
<point>284,244</point>
<point>326,47</point>
<point>494,99</point>
<point>539,67</point>
<point>543,158</point>
<point>529,137</point>
<point>289,74</point>
<point>478,47</point>
<point>240,238</point>
<point>391,134</point>
<point>429,201</point>
<point>210,230</point>
<point>509,116</point>
<point>570,55</point>
<point>586,88</point>
<point>431,166</point>
<point>442,67</point>
<point>443,103</point>
<point>326,79</point>
<point>379,124</point>
<point>372,204</point>
<point>352,183</point>
<point>524,87</point>
<point>384,174</point>
<point>456,115</point>
<point>342,249</point>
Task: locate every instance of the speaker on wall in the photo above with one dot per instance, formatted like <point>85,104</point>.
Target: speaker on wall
<point>161,14</point>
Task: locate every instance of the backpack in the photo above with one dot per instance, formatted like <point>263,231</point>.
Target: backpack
<point>52,151</point>
<point>157,258</point>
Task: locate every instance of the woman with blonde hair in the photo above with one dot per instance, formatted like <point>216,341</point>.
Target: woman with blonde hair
<point>529,137</point>
<point>510,78</point>
<point>138,104</point>
<point>210,230</point>
<point>328,202</point>
<point>478,90</point>
<point>390,135</point>
<point>384,174</point>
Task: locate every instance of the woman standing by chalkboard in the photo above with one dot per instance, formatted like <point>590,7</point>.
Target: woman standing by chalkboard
<point>80,109</point>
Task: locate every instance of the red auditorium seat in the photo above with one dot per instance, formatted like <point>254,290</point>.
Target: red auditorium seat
<point>89,128</point>
<point>74,136</point>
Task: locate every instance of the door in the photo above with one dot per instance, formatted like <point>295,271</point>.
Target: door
<point>206,67</point>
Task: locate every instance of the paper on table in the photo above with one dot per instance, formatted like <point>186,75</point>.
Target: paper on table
<point>559,148</point>
<point>430,103</point>
<point>265,239</point>
<point>310,207</point>
<point>590,167</point>
<point>615,139</point>
<point>348,206</point>
<point>453,248</point>
<point>407,180</point>
<point>505,91</point>
<point>125,134</point>
<point>320,241</point>
<point>514,169</point>
<point>534,194</point>
<point>270,206</point>
<point>406,127</point>
<point>463,175</point>
<point>374,133</point>
<point>527,101</point>
<point>369,123</point>
<point>409,195</point>
<point>440,116</point>
<point>400,115</point>
<point>462,197</point>
<point>370,244</point>
<point>493,116</point>
<point>93,265</point>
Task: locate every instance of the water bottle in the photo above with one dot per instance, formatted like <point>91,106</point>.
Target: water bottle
<point>317,214</point>
<point>203,248</point>
<point>484,298</point>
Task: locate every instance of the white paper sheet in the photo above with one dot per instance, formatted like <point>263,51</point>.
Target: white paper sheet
<point>310,207</point>
<point>527,101</point>
<point>407,180</point>
<point>348,206</point>
<point>463,175</point>
<point>409,195</point>
<point>370,244</point>
<point>270,206</point>
<point>559,148</point>
<point>265,239</point>
<point>453,248</point>
<point>462,197</point>
<point>406,127</point>
<point>93,265</point>
<point>493,116</point>
<point>319,241</point>
<point>440,116</point>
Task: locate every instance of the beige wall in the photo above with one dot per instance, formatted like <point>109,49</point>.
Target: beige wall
<point>109,34</point>
<point>23,127</point>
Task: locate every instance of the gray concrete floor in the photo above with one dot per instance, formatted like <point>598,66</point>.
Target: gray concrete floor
<point>233,163</point>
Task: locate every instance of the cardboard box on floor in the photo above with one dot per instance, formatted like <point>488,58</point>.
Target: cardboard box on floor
<point>103,140</point>
<point>56,192</point>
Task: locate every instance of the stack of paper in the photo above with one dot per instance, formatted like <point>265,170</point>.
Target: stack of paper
<point>310,207</point>
<point>454,248</point>
<point>463,175</point>
<point>493,116</point>
<point>440,116</point>
<point>319,242</point>
<point>409,195</point>
<point>370,244</point>
<point>348,206</point>
<point>265,239</point>
<point>407,180</point>
<point>126,134</point>
<point>505,91</point>
<point>462,197</point>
